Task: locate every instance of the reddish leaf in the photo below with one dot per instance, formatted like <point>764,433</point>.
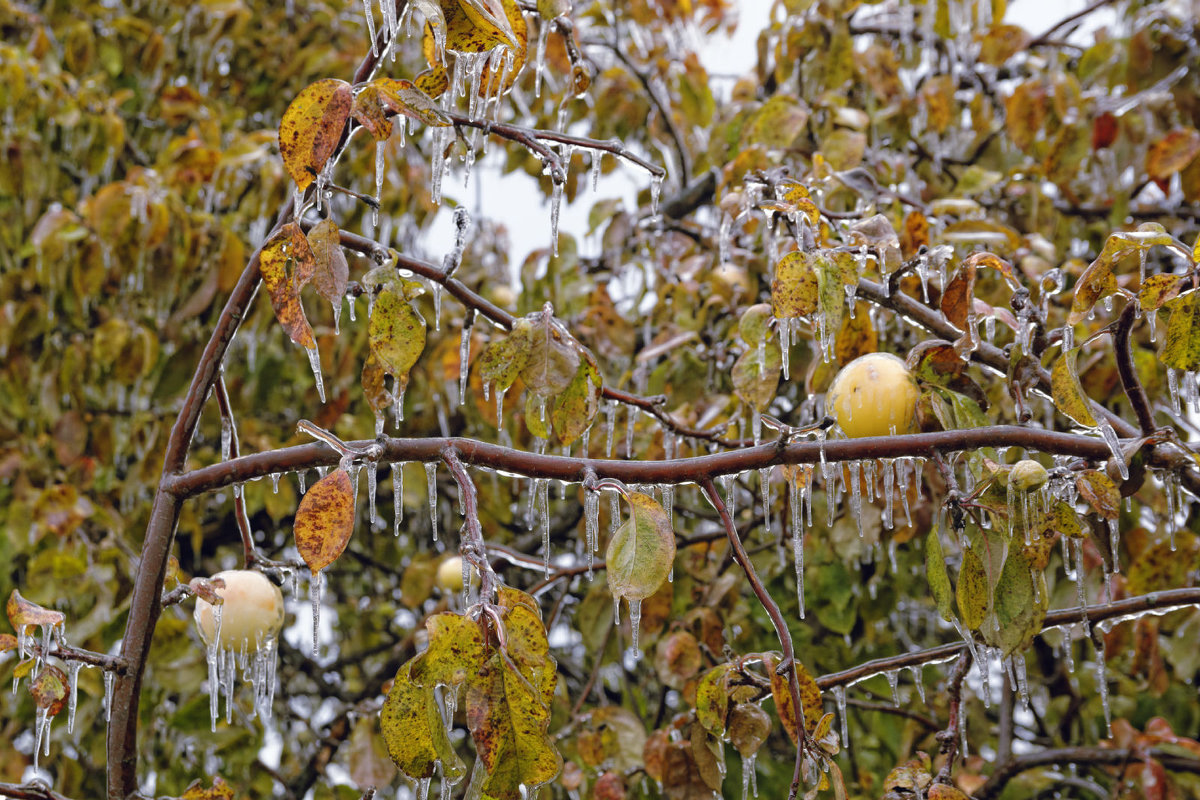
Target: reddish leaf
<point>325,520</point>
<point>49,690</point>
<point>22,612</point>
<point>286,263</point>
<point>1172,153</point>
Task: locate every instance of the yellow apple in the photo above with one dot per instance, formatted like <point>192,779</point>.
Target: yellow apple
<point>251,614</point>
<point>449,574</point>
<point>873,395</point>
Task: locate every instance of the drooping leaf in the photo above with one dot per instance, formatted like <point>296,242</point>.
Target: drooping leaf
<point>937,576</point>
<point>712,699</point>
<point>553,357</point>
<point>502,361</point>
<point>22,612</point>
<point>576,407</point>
<point>1181,350</point>
<point>401,96</point>
<point>1100,492</point>
<point>396,332</point>
<point>49,689</point>
<point>528,647</point>
<point>810,697</point>
<point>370,112</point>
<point>456,651</point>
<point>708,751</point>
<point>325,520</point>
<point>330,273</point>
<point>311,128</point>
<point>414,732</point>
<point>286,263</point>
<point>641,551</point>
<point>756,374</point>
<point>794,288</point>
<point>1020,606</point>
<point>972,591</point>
<point>508,723</point>
<point>1068,393</point>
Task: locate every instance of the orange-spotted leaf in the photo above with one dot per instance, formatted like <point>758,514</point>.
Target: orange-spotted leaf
<point>712,699</point>
<point>810,697</point>
<point>794,288</point>
<point>286,263</point>
<point>22,612</point>
<point>7,642</point>
<point>456,651</point>
<point>1182,348</point>
<point>311,128</point>
<point>642,550</point>
<point>972,592</point>
<point>1100,492</point>
<point>370,112</point>
<point>433,81</point>
<point>414,733</point>
<point>325,520</point>
<point>49,690</point>
<point>220,790</point>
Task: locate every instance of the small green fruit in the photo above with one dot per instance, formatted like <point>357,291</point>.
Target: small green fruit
<point>1026,475</point>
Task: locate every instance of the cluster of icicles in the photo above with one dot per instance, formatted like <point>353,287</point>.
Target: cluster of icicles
<point>256,664</point>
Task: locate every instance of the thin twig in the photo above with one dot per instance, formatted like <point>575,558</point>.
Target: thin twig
<point>777,620</point>
<point>1062,23</point>
<point>948,738</point>
<point>1130,382</point>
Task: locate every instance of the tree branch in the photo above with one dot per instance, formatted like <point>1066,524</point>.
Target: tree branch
<point>29,791</point>
<point>1129,377</point>
<point>777,620</point>
<point>1112,756</point>
<point>948,738</point>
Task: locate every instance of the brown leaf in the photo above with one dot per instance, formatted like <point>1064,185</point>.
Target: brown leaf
<point>286,263</point>
<point>1172,153</point>
<point>325,520</point>
<point>330,273</point>
<point>22,612</point>
<point>311,128</point>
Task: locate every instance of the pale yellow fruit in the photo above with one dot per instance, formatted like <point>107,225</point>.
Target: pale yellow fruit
<point>251,614</point>
<point>449,574</point>
<point>1026,475</point>
<point>873,395</point>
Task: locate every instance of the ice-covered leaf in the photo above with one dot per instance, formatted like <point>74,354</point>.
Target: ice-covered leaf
<point>509,598</point>
<point>972,591</point>
<point>810,697</point>
<point>529,649</point>
<point>857,336</point>
<point>311,127</point>
<point>49,690</point>
<point>712,699</point>
<point>220,790</point>
<point>1100,492</point>
<point>958,298</point>
<point>1181,350</point>
<point>749,727</point>
<point>553,358</point>
<point>508,723</point>
<point>433,81</point>
<point>414,733</point>
<point>374,386</point>
<point>1096,283</point>
<point>1059,518</point>
<point>1068,393</point>
<point>286,263</point>
<point>456,651</point>
<point>576,407</point>
<point>677,658</point>
<point>709,753</point>
<point>23,612</point>
<point>396,332</point>
<point>1171,153</point>
<point>1158,289</point>
<point>1020,606</point>
<point>503,359</point>
<point>794,288</point>
<point>776,124</point>
<point>330,272</point>
<point>937,576</point>
<point>325,520</point>
<point>371,112</point>
<point>754,325</point>
<point>756,374</point>
<point>401,96</point>
<point>641,551</point>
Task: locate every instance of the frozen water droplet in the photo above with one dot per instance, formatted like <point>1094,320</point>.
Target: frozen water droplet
<point>372,471</point>
<point>73,668</point>
<point>635,623</point>
<point>275,483</point>
<point>556,196</point>
<point>464,355</point>
<point>656,182</point>
<point>314,594</point>
<point>1114,444</point>
<point>397,496</point>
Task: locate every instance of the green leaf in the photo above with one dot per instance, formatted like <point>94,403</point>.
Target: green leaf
<point>508,723</point>
<point>553,357</point>
<point>1020,606</point>
<point>642,550</point>
<point>397,333</point>
<point>937,576</point>
<point>1181,350</point>
<point>504,358</point>
<point>325,520</point>
<point>311,128</point>
<point>414,732</point>
<point>972,591</point>
<point>756,374</point>
<point>456,651</point>
<point>576,407</point>
<point>1068,393</point>
<point>776,124</point>
<point>712,699</point>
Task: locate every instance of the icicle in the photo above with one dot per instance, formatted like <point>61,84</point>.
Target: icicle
<point>372,471</point>
<point>1114,444</point>
<point>431,485</point>
<point>1018,664</point>
<point>1077,547</point>
<point>902,467</point>
<point>436,290</point>
<point>543,35</point>
<point>397,496</point>
<point>668,502</point>
<point>555,205</point>
<point>541,491</point>
<point>41,732</point>
<point>314,594</point>
<point>764,482</point>
<point>614,511</point>
<point>630,420</point>
<point>274,483</point>
<point>380,146</point>
<point>748,774</point>
<point>918,680</point>
<point>962,729</point>
<point>597,156</point>
<point>314,361</point>
<point>371,27</point>
<point>784,328</point>
<point>423,788</point>
<point>1102,680</point>
<point>464,355</point>
<point>591,525</point>
<point>500,407</point>
<point>856,497</point>
<point>756,425</point>
<point>839,695</point>
<point>889,480</point>
<point>635,622</point>
<point>1114,543</point>
<point>610,425</point>
<point>893,679</point>
<point>109,677</point>
<point>656,182</point>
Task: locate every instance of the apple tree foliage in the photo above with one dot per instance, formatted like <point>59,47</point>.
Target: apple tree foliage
<point>259,309</point>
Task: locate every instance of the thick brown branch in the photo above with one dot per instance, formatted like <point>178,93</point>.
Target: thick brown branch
<point>1129,377</point>
<point>29,791</point>
<point>682,470</point>
<point>777,620</point>
<point>1111,756</point>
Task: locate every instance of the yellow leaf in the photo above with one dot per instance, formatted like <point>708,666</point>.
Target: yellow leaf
<point>311,128</point>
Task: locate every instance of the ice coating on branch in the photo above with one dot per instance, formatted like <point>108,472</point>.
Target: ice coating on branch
<point>431,486</point>
<point>380,146</point>
<point>314,361</point>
